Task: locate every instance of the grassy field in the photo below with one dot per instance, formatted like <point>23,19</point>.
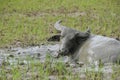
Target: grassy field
<point>30,22</point>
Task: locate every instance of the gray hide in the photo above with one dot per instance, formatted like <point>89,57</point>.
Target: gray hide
<point>86,47</point>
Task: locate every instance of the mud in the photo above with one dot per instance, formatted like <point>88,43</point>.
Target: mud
<point>38,52</point>
<point>13,55</point>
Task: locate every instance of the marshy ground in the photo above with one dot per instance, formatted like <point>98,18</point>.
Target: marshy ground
<point>26,24</point>
<point>40,62</point>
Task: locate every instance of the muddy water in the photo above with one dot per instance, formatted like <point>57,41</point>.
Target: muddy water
<point>13,55</point>
<point>39,52</point>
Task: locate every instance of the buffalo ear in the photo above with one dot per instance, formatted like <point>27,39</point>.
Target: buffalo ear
<point>54,38</point>
<point>81,37</point>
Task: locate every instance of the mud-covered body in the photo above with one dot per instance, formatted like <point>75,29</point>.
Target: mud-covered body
<point>98,48</point>
<point>87,47</point>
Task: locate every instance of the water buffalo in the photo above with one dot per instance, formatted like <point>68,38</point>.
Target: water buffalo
<point>86,47</point>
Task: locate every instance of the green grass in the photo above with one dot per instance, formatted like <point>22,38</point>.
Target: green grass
<point>33,70</point>
<point>36,70</point>
<point>31,23</point>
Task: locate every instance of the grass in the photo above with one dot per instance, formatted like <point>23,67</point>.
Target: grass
<point>31,23</point>
<point>32,70</point>
<point>36,70</point>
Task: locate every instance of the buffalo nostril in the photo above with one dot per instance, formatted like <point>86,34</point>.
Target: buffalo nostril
<point>64,50</point>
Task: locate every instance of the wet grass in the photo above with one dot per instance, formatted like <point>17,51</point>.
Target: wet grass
<point>31,23</point>
<point>51,70</point>
<point>34,70</point>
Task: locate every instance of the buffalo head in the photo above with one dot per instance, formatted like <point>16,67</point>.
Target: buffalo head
<point>70,39</point>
